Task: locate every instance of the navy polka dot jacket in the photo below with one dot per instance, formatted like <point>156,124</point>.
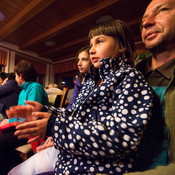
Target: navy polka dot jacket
<point>106,126</point>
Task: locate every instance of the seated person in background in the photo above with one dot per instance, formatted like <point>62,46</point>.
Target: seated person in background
<point>48,156</point>
<point>102,131</point>
<point>84,64</point>
<point>52,85</point>
<point>9,93</point>
<point>26,78</point>
<point>53,93</point>
<point>84,69</point>
<point>3,76</point>
<point>31,90</point>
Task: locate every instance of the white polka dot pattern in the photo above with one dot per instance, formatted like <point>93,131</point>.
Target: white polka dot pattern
<point>104,131</point>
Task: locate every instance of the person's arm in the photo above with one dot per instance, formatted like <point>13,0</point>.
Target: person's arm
<point>170,122</point>
<point>77,89</point>
<point>24,111</point>
<point>7,88</point>
<point>48,143</point>
<point>34,127</point>
<point>20,112</point>
<point>117,133</point>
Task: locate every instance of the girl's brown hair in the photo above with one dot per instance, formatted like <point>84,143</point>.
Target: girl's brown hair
<point>120,32</point>
<point>86,49</point>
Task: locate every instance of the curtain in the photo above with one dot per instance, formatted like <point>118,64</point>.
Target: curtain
<point>66,66</point>
<point>41,68</point>
<point>3,57</point>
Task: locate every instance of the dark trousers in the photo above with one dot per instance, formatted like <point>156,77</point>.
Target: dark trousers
<point>8,155</point>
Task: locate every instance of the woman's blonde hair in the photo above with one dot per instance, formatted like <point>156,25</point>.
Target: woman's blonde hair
<point>120,32</point>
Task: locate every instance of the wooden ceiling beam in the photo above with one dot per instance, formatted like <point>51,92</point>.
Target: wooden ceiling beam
<point>32,9</point>
<point>80,40</point>
<point>64,25</point>
<point>67,45</point>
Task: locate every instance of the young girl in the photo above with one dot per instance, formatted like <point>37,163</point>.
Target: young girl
<point>45,161</point>
<point>84,69</point>
<point>102,133</point>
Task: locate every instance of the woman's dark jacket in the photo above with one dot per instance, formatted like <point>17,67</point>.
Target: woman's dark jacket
<point>9,93</point>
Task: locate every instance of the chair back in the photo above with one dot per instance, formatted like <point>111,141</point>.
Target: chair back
<point>54,93</point>
<point>63,98</point>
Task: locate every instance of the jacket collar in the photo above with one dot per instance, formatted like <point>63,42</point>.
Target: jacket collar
<point>24,85</point>
<point>107,65</point>
<point>166,69</point>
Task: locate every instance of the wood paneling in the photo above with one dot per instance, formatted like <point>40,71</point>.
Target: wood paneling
<point>30,23</point>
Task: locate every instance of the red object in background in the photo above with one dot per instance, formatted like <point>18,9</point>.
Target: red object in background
<point>36,143</point>
<point>11,127</point>
<point>8,127</point>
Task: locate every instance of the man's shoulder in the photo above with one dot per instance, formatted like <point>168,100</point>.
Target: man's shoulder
<point>34,85</point>
<point>141,66</point>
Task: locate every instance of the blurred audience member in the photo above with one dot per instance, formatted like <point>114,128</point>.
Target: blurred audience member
<point>52,85</point>
<point>48,156</point>
<point>9,93</point>
<point>84,69</point>
<point>3,76</point>
<point>53,93</point>
<point>26,78</point>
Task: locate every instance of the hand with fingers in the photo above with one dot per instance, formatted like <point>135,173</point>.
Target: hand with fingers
<point>24,111</point>
<point>48,143</point>
<point>35,129</point>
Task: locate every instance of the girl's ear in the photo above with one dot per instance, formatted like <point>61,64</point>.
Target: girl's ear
<point>122,51</point>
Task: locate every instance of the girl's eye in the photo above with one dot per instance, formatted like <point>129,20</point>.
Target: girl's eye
<point>99,41</point>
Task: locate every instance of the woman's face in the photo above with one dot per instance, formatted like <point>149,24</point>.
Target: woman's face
<point>84,62</point>
<point>102,46</point>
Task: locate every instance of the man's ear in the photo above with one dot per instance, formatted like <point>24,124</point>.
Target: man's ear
<point>21,77</point>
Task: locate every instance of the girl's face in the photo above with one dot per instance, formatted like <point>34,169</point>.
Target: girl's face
<point>102,46</point>
<point>84,62</point>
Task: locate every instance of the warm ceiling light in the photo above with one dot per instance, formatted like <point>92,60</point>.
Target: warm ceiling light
<point>2,16</point>
<point>50,43</point>
<point>104,18</point>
